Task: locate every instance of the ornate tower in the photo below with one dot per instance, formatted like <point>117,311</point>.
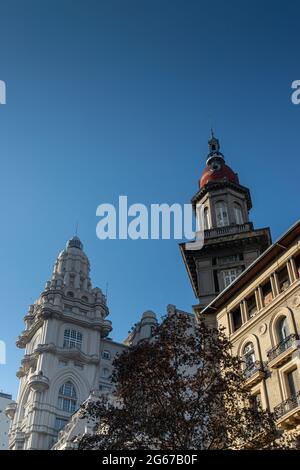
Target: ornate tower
<point>63,341</point>
<point>231,243</point>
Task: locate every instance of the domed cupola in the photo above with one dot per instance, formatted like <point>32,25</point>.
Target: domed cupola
<point>75,243</point>
<point>72,266</point>
<point>216,169</point>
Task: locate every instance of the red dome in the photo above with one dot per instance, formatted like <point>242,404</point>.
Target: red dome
<point>219,172</point>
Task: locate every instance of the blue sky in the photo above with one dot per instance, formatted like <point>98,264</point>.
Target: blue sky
<point>117,97</point>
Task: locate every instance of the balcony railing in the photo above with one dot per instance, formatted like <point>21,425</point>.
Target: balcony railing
<point>251,369</point>
<point>287,405</point>
<point>281,347</point>
<point>228,230</point>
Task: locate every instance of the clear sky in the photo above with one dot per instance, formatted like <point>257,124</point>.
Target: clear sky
<point>113,97</point>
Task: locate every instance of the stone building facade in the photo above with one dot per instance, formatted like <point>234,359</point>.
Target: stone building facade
<point>260,312</point>
<point>67,352</point>
<point>241,281</point>
<point>5,400</point>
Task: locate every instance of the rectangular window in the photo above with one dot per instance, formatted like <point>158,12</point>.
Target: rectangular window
<point>229,276</point>
<point>283,279</point>
<point>106,355</point>
<point>228,259</point>
<point>67,308</point>
<point>60,423</point>
<point>216,281</point>
<point>251,306</point>
<point>297,263</point>
<point>104,388</point>
<point>293,382</point>
<point>256,401</point>
<point>267,293</point>
<point>72,339</point>
<point>67,404</point>
<point>20,445</point>
<point>236,318</point>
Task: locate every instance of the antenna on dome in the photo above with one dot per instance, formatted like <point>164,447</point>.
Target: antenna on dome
<point>76,228</point>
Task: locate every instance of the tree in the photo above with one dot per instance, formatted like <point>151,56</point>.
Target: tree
<point>183,389</point>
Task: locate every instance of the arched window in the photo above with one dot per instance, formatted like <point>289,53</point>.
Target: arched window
<point>249,354</point>
<point>283,329</point>
<point>238,214</point>
<point>206,218</point>
<point>67,398</point>
<point>72,339</point>
<point>84,298</point>
<point>222,214</point>
<point>70,294</point>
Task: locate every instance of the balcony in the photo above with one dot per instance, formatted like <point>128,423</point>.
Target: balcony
<point>287,413</point>
<point>228,230</point>
<point>11,409</point>
<point>254,373</point>
<point>38,382</point>
<point>282,352</point>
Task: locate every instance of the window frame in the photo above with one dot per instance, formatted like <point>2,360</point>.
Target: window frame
<point>72,339</point>
<point>222,214</point>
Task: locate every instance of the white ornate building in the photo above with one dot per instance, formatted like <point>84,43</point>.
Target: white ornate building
<point>68,353</point>
<point>5,399</point>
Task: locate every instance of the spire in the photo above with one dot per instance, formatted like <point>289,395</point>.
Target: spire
<point>214,148</point>
<point>213,143</point>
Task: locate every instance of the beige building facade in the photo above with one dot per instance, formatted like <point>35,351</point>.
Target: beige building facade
<point>260,312</point>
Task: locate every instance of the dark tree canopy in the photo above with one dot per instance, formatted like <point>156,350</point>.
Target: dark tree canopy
<point>181,390</point>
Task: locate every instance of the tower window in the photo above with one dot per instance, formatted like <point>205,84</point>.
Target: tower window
<point>229,275</point>
<point>206,218</point>
<point>216,281</point>
<point>228,259</point>
<point>222,214</point>
<point>67,398</point>
<point>238,213</point>
<point>72,339</point>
